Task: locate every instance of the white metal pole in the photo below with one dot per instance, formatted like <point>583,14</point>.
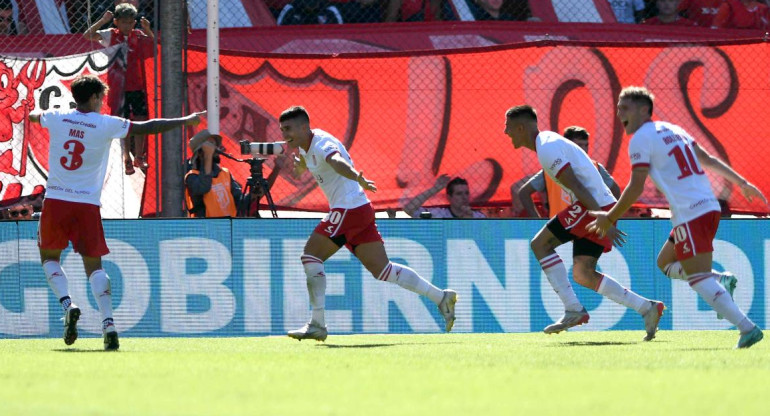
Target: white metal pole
<point>212,70</point>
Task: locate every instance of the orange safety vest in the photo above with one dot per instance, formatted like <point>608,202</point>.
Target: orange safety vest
<point>558,198</point>
<point>219,201</point>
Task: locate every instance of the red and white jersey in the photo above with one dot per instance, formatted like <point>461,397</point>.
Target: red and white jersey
<point>701,11</point>
<point>340,191</point>
<point>555,153</point>
<point>78,153</point>
<point>668,151</point>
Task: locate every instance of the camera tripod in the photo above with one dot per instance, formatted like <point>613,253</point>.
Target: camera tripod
<point>256,187</point>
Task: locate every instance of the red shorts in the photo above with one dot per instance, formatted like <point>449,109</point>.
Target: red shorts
<point>65,221</point>
<point>575,218</point>
<point>350,226</point>
<point>695,236</point>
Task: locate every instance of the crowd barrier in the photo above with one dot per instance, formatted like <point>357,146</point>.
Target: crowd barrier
<point>243,277</point>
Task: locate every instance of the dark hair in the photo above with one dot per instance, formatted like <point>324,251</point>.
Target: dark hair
<point>293,112</point>
<point>450,187</point>
<point>639,95</point>
<point>125,10</point>
<point>6,5</point>
<point>85,86</point>
<point>576,133</point>
<point>522,110</point>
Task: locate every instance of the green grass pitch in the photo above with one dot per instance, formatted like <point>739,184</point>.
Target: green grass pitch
<point>574,373</point>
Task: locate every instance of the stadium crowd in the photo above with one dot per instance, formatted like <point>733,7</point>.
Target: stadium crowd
<point>74,16</point>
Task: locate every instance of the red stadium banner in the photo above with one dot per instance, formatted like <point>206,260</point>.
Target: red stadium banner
<point>407,118</point>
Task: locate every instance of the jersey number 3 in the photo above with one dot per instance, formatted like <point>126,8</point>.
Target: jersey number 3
<point>74,159</point>
<point>686,161</point>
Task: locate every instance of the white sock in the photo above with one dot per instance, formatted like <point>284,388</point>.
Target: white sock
<point>675,271</point>
<point>100,288</point>
<point>556,274</point>
<point>611,289</point>
<point>57,280</point>
<point>718,298</point>
<point>410,280</point>
<point>316,288</point>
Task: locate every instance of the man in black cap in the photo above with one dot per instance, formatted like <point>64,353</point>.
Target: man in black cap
<point>210,189</point>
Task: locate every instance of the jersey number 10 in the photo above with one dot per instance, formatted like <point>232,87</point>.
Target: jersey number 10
<point>686,161</point>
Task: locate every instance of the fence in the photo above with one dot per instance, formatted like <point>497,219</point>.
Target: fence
<point>411,100</point>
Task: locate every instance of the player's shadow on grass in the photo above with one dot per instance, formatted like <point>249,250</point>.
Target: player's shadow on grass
<point>592,343</point>
<point>395,344</point>
<point>357,345</point>
<point>76,350</point>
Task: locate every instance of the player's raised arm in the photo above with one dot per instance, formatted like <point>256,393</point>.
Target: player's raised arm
<point>749,190</point>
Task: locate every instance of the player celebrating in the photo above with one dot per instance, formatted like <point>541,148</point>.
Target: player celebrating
<point>77,159</point>
<point>570,167</point>
<point>350,222</point>
<point>673,159</point>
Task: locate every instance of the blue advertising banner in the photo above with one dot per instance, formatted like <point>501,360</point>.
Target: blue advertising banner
<point>194,277</point>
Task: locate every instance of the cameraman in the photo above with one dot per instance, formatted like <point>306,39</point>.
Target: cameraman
<point>210,189</point>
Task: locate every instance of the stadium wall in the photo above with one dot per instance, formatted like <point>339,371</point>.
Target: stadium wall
<point>243,277</point>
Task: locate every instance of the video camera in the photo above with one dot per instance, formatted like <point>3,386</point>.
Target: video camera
<point>260,148</point>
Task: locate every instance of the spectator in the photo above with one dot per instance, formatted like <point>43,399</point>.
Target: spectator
<point>20,211</point>
<point>9,24</point>
<point>309,12</point>
<point>668,15</point>
<point>418,11</point>
<point>361,11</point>
<point>556,196</point>
<point>276,6</point>
<point>459,201</point>
<point>628,11</point>
<point>127,93</point>
<point>23,207</point>
<point>702,12</point>
<point>742,14</point>
<point>210,189</point>
<point>469,10</point>
<point>79,14</point>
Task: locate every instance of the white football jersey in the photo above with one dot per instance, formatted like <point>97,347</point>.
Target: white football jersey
<point>668,151</point>
<point>340,191</point>
<point>555,153</point>
<point>79,149</point>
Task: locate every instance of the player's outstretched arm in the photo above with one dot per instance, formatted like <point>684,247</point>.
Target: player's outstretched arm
<point>413,205</point>
<point>345,169</point>
<point>159,125</point>
<point>749,190</point>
